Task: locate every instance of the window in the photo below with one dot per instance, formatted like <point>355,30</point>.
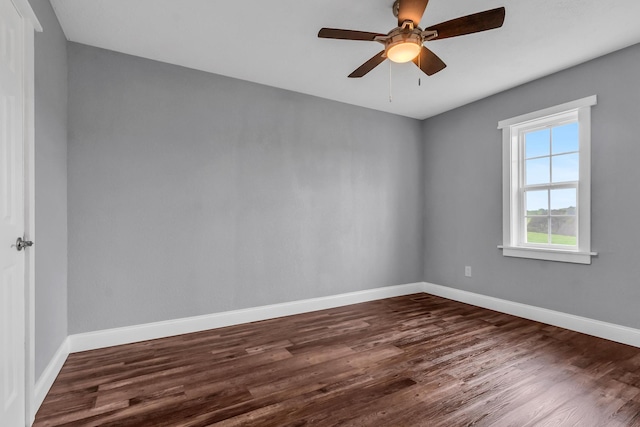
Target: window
<point>547,183</point>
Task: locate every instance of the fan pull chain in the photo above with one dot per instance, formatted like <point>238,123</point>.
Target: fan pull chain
<point>419,65</point>
<point>390,97</point>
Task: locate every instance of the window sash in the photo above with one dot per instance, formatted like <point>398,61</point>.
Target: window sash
<point>522,235</point>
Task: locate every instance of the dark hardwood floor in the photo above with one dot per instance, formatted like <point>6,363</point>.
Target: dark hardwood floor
<point>416,360</point>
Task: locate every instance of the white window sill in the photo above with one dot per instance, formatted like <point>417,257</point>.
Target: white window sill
<point>558,255</point>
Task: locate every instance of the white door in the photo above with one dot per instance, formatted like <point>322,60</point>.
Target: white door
<point>12,274</point>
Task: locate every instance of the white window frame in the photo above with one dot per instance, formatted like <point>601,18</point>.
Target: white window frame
<point>513,228</point>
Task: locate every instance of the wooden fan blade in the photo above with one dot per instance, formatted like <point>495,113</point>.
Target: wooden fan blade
<point>429,62</point>
<point>482,21</point>
<point>335,33</point>
<point>376,60</point>
<point>411,10</point>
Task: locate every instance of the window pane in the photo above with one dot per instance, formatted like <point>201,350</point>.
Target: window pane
<point>537,171</point>
<point>537,202</point>
<point>563,202</point>
<point>564,230</point>
<point>565,167</point>
<point>537,143</point>
<point>538,230</point>
<point>565,138</point>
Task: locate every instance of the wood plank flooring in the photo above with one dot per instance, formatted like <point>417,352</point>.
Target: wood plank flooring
<point>416,360</point>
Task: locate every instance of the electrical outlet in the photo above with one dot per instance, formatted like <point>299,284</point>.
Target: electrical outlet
<point>467,271</point>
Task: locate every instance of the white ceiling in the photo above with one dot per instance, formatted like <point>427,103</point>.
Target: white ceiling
<point>275,43</point>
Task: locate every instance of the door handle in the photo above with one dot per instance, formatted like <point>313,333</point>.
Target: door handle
<point>22,244</point>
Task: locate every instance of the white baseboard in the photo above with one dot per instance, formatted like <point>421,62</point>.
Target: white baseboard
<point>135,333</point>
<point>49,375</point>
<point>597,328</point>
<point>148,331</point>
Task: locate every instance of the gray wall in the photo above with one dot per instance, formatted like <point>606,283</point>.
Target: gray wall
<point>463,178</point>
<point>50,185</point>
<point>192,193</point>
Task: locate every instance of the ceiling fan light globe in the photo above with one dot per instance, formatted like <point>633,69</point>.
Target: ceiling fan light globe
<point>403,52</point>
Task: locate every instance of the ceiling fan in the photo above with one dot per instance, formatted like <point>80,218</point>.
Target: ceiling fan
<point>405,42</point>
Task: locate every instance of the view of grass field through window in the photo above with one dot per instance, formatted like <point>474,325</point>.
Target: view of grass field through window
<point>551,176</point>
